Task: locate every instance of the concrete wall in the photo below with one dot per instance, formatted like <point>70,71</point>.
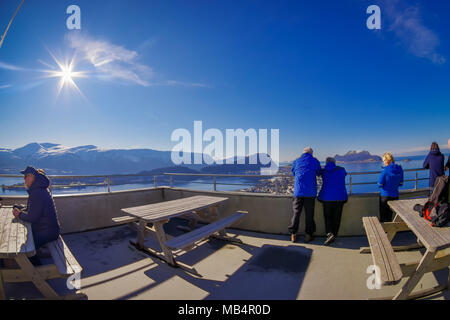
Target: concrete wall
<point>81,212</point>
<point>272,213</point>
<point>266,213</point>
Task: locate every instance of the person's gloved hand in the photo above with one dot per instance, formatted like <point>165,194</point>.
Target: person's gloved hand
<point>16,212</point>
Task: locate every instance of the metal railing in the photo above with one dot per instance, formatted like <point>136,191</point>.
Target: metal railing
<point>107,180</point>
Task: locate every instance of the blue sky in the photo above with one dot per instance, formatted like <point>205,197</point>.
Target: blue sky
<point>313,71</point>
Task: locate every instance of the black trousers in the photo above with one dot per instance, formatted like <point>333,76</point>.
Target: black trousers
<point>332,212</point>
<point>297,206</point>
<point>385,210</point>
<point>39,240</point>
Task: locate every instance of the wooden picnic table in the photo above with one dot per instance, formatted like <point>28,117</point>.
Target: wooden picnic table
<point>193,208</point>
<point>435,240</point>
<point>16,243</point>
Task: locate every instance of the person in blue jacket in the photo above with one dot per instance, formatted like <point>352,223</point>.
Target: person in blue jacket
<point>40,210</point>
<point>305,169</point>
<point>333,196</point>
<point>435,162</point>
<point>391,178</point>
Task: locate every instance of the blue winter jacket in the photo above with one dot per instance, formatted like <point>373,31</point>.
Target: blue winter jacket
<point>435,162</point>
<point>40,211</point>
<point>305,169</point>
<point>390,179</point>
<point>333,183</point>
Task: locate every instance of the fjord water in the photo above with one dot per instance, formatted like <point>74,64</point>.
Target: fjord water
<point>230,184</point>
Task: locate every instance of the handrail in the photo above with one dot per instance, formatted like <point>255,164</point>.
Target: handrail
<point>186,174</point>
<point>172,175</point>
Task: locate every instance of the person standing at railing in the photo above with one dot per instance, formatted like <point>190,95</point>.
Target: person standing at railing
<point>305,169</point>
<point>435,162</point>
<point>447,166</point>
<point>40,210</point>
<point>333,196</point>
<point>391,178</point>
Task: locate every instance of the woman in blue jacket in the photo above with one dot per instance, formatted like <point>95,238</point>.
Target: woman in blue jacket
<point>333,196</point>
<point>40,210</point>
<point>435,162</point>
<point>391,179</point>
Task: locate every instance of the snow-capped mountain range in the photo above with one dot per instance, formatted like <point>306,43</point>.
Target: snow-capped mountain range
<point>89,159</point>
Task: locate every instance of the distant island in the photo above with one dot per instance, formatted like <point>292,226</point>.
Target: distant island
<point>357,157</point>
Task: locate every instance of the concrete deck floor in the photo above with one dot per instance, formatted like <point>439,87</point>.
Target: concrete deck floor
<point>265,267</point>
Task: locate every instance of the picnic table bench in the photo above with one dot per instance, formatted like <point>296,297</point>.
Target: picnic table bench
<point>16,243</point>
<point>435,241</point>
<point>193,208</point>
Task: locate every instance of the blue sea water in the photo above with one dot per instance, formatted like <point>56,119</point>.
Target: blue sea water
<point>231,184</point>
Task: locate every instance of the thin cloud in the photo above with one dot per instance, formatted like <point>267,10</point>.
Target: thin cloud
<point>111,61</point>
<point>4,86</point>
<point>115,62</point>
<point>409,28</point>
<point>8,66</point>
<point>185,84</point>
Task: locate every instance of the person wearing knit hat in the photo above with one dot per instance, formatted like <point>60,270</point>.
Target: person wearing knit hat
<point>40,210</point>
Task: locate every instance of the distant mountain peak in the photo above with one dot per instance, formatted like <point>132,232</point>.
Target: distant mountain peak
<point>357,156</point>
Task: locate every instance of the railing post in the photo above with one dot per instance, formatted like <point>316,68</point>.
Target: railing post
<point>416,186</point>
<point>171,181</point>
<point>215,185</point>
<point>154,182</point>
<point>351,184</point>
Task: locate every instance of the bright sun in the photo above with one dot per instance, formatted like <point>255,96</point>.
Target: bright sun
<point>66,75</point>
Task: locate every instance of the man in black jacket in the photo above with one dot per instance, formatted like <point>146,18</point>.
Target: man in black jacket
<point>40,210</point>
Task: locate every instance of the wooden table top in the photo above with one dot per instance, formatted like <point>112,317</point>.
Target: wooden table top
<point>16,236</point>
<point>433,238</point>
<point>169,209</point>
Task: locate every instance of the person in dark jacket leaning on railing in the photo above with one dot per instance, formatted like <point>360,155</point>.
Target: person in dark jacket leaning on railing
<point>391,178</point>
<point>435,162</point>
<point>447,166</point>
<point>333,196</point>
<point>40,210</point>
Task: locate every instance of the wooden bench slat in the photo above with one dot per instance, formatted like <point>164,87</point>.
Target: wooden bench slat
<point>124,219</point>
<point>63,257</point>
<point>382,252</point>
<point>201,233</point>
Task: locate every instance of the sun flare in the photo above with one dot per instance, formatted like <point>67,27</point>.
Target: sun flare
<point>66,75</point>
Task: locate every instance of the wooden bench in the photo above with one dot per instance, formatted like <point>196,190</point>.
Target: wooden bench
<point>63,258</point>
<point>382,252</point>
<point>188,239</point>
<point>124,219</point>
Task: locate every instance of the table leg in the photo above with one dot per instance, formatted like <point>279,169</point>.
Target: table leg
<point>2,290</point>
<point>414,279</point>
<point>162,238</point>
<point>214,215</point>
<point>222,235</point>
<point>141,234</point>
<point>448,279</point>
<point>42,285</point>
